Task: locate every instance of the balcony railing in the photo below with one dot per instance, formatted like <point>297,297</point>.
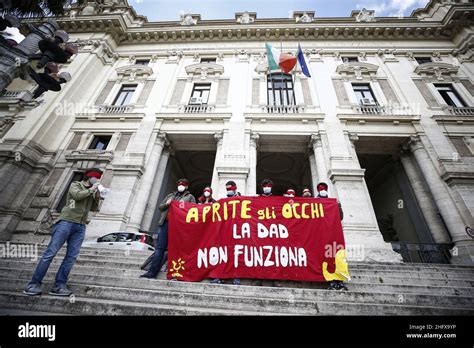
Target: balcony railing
<point>197,108</point>
<point>18,95</point>
<point>370,109</point>
<point>115,109</point>
<point>460,111</point>
<point>282,109</point>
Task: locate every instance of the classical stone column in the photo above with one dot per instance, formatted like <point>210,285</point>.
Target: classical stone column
<point>252,179</point>
<point>437,230</point>
<point>156,189</point>
<point>314,170</point>
<point>146,183</point>
<point>364,241</point>
<point>322,171</point>
<point>215,175</point>
<point>464,245</point>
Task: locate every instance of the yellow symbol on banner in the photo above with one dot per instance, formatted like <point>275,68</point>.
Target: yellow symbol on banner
<point>177,266</point>
<point>342,268</point>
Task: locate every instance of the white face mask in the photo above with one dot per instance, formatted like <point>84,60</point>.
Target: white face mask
<point>181,188</point>
<point>207,194</point>
<point>230,193</point>
<point>93,180</point>
<point>290,195</point>
<point>306,194</point>
<point>323,193</point>
<point>267,190</point>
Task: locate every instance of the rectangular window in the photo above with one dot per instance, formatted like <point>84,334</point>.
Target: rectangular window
<point>208,60</point>
<point>280,90</point>
<point>77,176</point>
<point>350,59</point>
<point>450,96</point>
<point>142,62</point>
<point>100,142</point>
<point>422,60</point>
<point>364,94</point>
<point>200,94</point>
<point>125,95</point>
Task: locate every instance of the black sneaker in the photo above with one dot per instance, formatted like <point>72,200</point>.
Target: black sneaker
<point>148,275</point>
<point>341,286</point>
<point>61,291</point>
<point>32,290</point>
<point>333,285</point>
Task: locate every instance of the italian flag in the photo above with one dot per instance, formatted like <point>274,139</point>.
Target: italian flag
<point>278,60</point>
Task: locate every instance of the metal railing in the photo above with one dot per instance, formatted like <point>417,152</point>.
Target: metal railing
<point>370,109</point>
<point>423,252</point>
<point>282,109</point>
<point>461,111</point>
<point>19,94</point>
<point>197,108</point>
<point>115,109</point>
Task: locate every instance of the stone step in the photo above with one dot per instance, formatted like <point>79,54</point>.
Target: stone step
<point>92,306</point>
<point>360,286</point>
<point>119,272</point>
<point>218,296</point>
<point>144,254</point>
<point>134,282</point>
<point>125,264</point>
<point>430,267</point>
<point>141,255</point>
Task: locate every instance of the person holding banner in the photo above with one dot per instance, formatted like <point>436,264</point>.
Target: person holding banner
<point>206,197</point>
<point>290,193</point>
<point>267,185</point>
<point>322,188</point>
<point>307,193</point>
<point>231,189</point>
<point>182,195</point>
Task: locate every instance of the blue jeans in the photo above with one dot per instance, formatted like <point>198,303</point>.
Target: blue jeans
<point>161,246</point>
<point>63,231</point>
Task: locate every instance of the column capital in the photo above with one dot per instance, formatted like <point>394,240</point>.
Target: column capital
<point>254,139</point>
<point>315,140</point>
<point>353,137</point>
<point>162,139</point>
<point>218,136</point>
<point>413,143</point>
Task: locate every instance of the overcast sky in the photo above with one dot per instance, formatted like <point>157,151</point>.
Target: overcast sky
<point>168,10</point>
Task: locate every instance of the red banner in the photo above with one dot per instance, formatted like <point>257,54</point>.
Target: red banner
<point>256,237</point>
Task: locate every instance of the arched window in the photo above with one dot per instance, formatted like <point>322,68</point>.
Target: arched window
<point>280,89</point>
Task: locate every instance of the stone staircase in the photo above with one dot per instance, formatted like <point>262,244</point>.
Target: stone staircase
<point>105,282</point>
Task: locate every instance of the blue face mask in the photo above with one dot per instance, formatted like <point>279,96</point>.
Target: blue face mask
<point>93,180</point>
<point>230,193</point>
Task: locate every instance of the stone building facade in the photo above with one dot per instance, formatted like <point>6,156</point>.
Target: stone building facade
<point>386,119</point>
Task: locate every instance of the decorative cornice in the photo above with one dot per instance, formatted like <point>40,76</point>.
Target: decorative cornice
<point>205,69</point>
<point>358,69</point>
<point>263,29</point>
<point>134,72</point>
<point>438,69</point>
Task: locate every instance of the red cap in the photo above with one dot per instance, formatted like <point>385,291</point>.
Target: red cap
<point>93,174</point>
<point>322,187</point>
